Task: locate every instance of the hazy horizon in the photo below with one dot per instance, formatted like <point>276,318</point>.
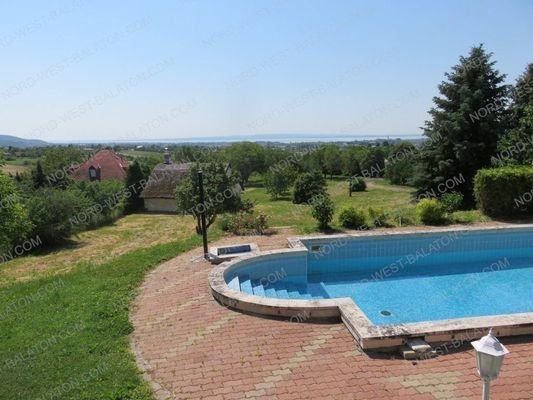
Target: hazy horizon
<point>90,71</point>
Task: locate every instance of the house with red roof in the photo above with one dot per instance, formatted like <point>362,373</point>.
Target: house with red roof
<point>103,165</point>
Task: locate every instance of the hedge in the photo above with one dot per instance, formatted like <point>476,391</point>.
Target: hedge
<point>505,191</point>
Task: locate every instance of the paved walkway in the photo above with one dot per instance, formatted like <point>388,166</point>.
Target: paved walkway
<point>191,347</point>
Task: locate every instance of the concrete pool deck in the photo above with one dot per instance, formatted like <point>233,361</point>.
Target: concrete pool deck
<point>191,347</point>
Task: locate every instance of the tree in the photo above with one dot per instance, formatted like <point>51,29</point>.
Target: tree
<point>516,146</point>
<point>465,125</point>
<point>221,193</point>
<point>136,177</point>
<point>15,225</point>
<point>399,168</point>
<point>278,181</point>
<point>351,157</point>
<point>56,163</point>
<point>373,163</point>
<point>38,177</point>
<point>332,160</point>
<point>522,96</point>
<point>2,160</point>
<point>323,210</point>
<point>307,186</point>
<point>246,158</point>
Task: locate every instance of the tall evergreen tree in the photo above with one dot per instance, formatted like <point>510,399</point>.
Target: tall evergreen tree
<point>522,96</point>
<point>38,176</point>
<point>136,177</point>
<point>466,124</point>
<point>516,146</point>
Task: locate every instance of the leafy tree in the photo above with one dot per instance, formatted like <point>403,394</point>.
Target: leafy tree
<point>400,166</point>
<point>246,158</point>
<point>15,224</point>
<point>188,153</point>
<point>221,194</point>
<point>276,157</point>
<point>278,181</point>
<point>57,214</point>
<point>323,210</point>
<point>56,162</point>
<point>351,158</point>
<point>465,125</point>
<point>2,160</point>
<point>373,163</point>
<point>307,186</point>
<point>136,177</point>
<point>332,160</point>
<point>314,160</point>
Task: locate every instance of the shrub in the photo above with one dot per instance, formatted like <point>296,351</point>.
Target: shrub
<point>323,210</point>
<point>244,223</point>
<point>246,205</point>
<point>307,186</point>
<point>378,216</point>
<point>352,218</point>
<point>107,198</point>
<point>452,202</point>
<point>358,184</point>
<point>57,214</point>
<point>505,191</point>
<point>15,224</point>
<point>430,211</point>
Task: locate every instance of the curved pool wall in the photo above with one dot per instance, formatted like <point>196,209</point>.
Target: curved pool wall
<point>289,282</point>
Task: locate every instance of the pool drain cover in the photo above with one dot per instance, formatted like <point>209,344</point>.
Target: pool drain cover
<point>385,313</point>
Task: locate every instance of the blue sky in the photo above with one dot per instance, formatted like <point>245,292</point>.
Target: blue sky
<point>97,70</point>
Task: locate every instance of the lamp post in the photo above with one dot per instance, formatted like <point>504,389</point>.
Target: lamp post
<point>202,214</point>
<point>489,358</point>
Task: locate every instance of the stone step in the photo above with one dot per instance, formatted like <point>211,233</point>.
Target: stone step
<point>235,284</point>
<point>246,284</point>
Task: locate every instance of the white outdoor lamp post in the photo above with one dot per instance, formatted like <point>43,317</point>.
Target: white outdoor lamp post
<point>489,358</point>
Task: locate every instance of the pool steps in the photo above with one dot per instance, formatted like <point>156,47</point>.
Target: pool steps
<point>279,290</point>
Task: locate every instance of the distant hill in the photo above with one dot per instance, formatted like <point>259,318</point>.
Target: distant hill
<point>6,141</point>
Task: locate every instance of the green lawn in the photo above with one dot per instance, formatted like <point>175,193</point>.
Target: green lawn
<point>65,334</point>
<point>142,153</point>
<point>395,200</point>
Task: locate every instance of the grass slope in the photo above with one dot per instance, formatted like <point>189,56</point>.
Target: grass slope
<point>66,336</point>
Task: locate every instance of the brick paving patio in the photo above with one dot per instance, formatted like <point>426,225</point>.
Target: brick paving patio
<point>191,347</point>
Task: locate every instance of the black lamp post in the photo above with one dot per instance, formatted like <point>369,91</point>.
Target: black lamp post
<point>203,211</point>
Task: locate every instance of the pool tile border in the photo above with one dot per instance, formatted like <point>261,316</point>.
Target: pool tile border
<point>368,335</point>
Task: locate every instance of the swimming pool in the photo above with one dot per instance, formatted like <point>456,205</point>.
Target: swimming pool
<point>386,281</point>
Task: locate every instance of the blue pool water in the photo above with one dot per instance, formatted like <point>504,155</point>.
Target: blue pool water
<point>409,278</point>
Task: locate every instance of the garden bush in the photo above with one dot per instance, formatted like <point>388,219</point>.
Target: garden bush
<point>452,202</point>
<point>430,212</point>
<point>323,210</point>
<point>378,216</point>
<point>358,184</point>
<point>57,214</point>
<point>352,218</point>
<point>244,223</point>
<point>505,191</point>
<point>307,186</point>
